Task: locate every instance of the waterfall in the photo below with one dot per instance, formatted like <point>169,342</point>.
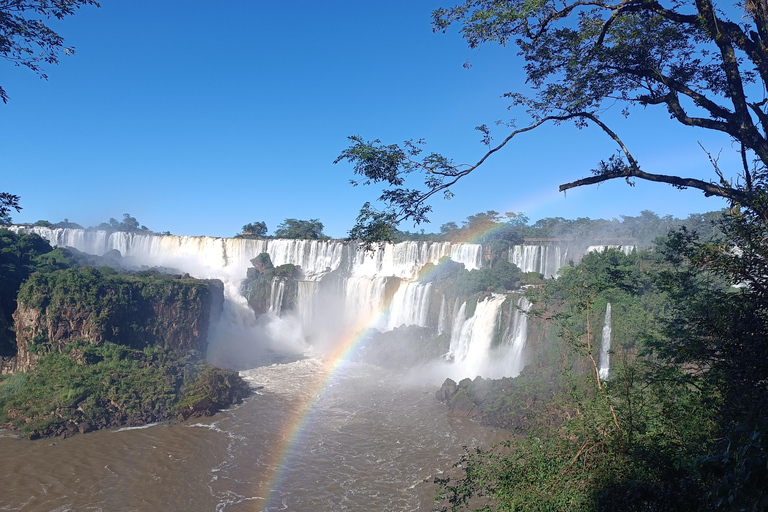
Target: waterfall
<point>276,296</point>
<point>605,348</point>
<point>544,259</point>
<point>472,337</point>
<point>410,305</point>
<point>378,288</point>
<point>513,360</point>
<point>443,317</point>
<point>305,301</point>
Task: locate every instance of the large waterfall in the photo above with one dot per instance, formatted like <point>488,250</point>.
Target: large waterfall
<point>378,288</point>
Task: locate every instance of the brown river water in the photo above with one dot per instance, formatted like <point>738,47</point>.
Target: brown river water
<point>370,441</point>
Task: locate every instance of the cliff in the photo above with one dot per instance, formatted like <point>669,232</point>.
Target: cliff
<point>100,349</point>
<point>97,305</point>
<point>270,288</point>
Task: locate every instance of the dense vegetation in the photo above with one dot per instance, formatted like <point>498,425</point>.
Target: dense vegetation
<point>132,309</point>
<point>680,423</point>
<point>491,228</point>
<point>87,386</point>
<point>103,347</point>
<point>20,256</point>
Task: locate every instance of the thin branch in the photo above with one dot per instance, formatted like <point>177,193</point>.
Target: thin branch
<point>709,189</point>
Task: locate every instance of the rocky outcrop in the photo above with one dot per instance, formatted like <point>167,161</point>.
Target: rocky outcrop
<point>212,391</point>
<point>270,288</point>
<point>520,403</point>
<point>92,305</point>
<point>402,348</point>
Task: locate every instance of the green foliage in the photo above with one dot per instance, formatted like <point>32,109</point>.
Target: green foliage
<point>128,224</point>
<point>454,279</point>
<point>28,41</point>
<point>311,229</point>
<point>374,226</point>
<point>122,306</point>
<point>8,201</point>
<point>94,386</point>
<point>20,255</point>
<point>254,230</point>
<point>633,442</point>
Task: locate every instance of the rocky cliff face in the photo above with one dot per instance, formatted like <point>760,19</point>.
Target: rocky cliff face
<point>133,310</point>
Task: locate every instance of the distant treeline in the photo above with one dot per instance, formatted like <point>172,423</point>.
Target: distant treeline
<point>128,224</point>
<point>515,228</point>
<point>483,228</point>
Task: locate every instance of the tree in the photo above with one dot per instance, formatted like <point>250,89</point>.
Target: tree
<point>26,40</point>
<point>129,224</point>
<point>706,65</point>
<point>311,229</point>
<point>255,229</point>
<point>8,202</point>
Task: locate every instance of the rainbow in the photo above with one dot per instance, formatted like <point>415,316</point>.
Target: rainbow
<point>300,416</point>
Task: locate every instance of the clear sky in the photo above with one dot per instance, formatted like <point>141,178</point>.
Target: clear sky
<point>199,117</point>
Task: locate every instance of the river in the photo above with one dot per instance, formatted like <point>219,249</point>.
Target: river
<point>362,439</point>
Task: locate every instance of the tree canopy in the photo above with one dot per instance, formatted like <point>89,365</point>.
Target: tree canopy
<point>26,39</point>
<point>256,229</point>
<point>129,223</point>
<point>8,202</point>
<point>311,229</point>
<point>706,64</point>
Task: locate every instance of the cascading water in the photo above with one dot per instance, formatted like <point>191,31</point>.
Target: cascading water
<point>472,338</point>
<point>513,361</point>
<point>544,259</point>
<point>410,305</point>
<point>276,296</point>
<point>377,288</point>
<point>605,347</point>
<point>443,317</point>
<point>626,249</point>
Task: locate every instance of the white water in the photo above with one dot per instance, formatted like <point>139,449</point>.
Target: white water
<point>513,360</point>
<point>472,337</point>
<point>626,249</point>
<point>544,259</point>
<point>443,318</point>
<point>605,348</point>
<point>276,293</point>
<point>410,305</point>
<point>376,288</point>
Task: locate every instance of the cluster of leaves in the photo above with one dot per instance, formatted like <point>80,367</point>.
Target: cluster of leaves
<point>27,40</point>
<point>254,230</point>
<point>311,229</point>
<point>128,224</point>
<point>20,255</point>
<point>90,386</point>
<point>8,202</point>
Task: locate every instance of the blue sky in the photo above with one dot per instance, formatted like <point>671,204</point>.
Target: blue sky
<point>199,117</point>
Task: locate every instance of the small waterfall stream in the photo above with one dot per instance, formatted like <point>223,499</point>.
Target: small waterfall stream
<point>605,347</point>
